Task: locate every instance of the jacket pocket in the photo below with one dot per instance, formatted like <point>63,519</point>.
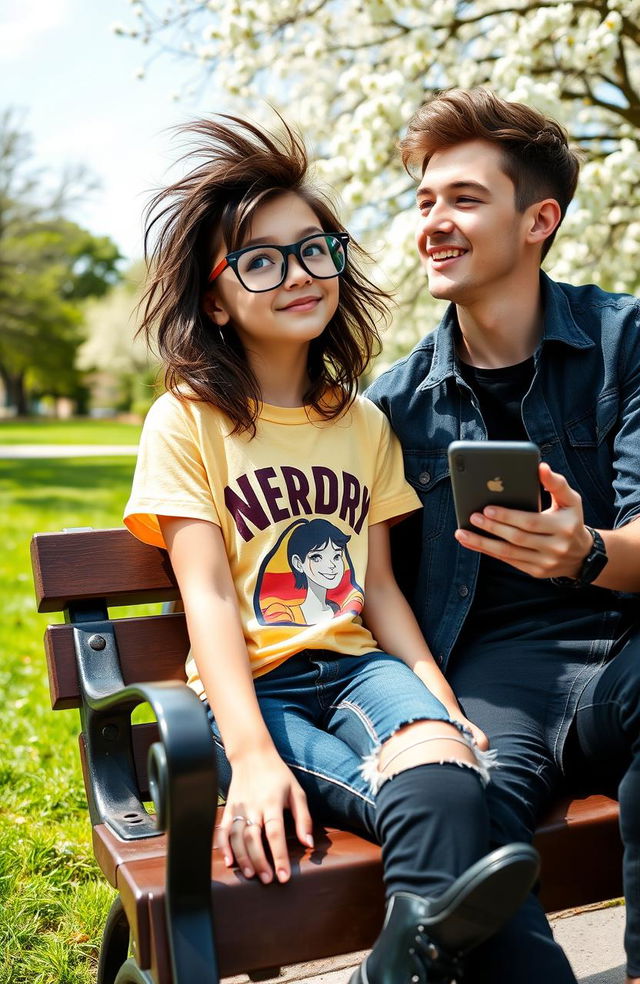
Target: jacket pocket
<point>588,437</point>
<point>428,473</point>
<point>590,429</point>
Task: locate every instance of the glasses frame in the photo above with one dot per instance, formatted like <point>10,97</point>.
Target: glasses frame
<point>231,260</point>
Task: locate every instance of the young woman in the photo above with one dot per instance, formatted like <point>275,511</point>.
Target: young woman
<point>265,322</point>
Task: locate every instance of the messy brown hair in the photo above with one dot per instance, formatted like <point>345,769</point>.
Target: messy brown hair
<point>236,167</point>
<point>536,155</point>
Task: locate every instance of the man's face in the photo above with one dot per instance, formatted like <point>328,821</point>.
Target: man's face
<point>470,236</point>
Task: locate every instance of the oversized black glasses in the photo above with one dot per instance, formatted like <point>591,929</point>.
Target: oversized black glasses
<point>261,268</point>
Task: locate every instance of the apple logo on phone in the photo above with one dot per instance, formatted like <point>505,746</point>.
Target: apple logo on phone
<point>495,484</point>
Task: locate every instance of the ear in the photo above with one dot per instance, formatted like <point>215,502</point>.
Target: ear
<point>297,563</point>
<point>543,218</point>
<point>211,305</point>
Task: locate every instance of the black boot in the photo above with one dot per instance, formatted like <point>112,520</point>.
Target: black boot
<point>404,953</point>
<point>422,940</point>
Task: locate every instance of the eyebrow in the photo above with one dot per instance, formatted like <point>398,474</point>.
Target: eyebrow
<point>268,240</point>
<point>457,186</point>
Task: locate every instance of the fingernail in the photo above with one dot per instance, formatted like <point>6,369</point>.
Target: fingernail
<point>247,872</point>
<point>283,875</point>
<point>308,840</point>
<point>490,512</point>
<point>227,860</point>
<point>265,877</point>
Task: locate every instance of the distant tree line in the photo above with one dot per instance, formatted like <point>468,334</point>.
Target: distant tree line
<point>49,267</point>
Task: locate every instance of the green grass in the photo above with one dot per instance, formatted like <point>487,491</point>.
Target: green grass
<point>77,431</point>
<point>53,903</point>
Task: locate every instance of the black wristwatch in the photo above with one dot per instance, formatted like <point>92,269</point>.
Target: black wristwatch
<point>592,565</point>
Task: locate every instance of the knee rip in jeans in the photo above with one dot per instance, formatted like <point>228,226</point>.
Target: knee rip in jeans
<point>483,761</point>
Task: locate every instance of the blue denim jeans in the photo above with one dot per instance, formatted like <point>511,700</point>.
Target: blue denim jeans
<point>326,712</point>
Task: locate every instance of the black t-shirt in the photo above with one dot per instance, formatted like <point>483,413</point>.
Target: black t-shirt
<point>505,596</point>
<point>500,393</point>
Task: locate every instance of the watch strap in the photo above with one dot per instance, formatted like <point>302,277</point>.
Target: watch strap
<point>592,565</point>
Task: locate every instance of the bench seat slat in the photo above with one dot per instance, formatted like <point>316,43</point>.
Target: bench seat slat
<point>151,647</point>
<point>109,564</point>
<point>338,886</point>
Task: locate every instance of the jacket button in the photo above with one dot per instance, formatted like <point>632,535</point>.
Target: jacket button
<point>424,478</point>
<point>463,590</point>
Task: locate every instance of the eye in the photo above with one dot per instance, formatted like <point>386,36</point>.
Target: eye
<point>260,261</point>
<point>315,557</point>
<point>425,204</point>
<point>467,200</point>
<point>316,248</point>
<point>337,557</point>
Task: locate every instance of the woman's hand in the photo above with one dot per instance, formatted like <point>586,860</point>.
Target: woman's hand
<point>478,735</point>
<point>262,787</point>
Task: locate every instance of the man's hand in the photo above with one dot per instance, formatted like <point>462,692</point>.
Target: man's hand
<point>552,543</point>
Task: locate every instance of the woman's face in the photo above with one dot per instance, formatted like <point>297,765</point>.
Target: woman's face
<point>323,565</point>
<point>299,309</point>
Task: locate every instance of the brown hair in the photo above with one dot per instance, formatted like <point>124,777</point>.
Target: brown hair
<point>238,168</point>
<point>535,150</point>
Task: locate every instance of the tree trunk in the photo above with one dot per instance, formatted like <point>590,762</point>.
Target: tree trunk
<point>15,392</point>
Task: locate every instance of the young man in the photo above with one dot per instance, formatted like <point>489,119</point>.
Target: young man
<point>538,629</point>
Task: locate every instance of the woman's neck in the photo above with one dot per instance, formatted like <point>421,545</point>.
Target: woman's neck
<point>283,379</point>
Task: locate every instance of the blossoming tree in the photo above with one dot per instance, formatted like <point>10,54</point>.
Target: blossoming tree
<point>351,73</point>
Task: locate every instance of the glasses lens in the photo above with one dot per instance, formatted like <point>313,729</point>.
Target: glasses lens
<point>323,256</point>
<point>261,268</point>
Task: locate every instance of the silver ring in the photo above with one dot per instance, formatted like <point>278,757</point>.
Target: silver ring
<point>244,819</point>
<point>252,823</point>
<point>272,820</point>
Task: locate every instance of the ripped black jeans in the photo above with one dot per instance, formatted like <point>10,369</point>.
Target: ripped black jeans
<point>520,694</point>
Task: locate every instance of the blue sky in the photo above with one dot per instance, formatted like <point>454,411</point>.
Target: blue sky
<point>74,83</point>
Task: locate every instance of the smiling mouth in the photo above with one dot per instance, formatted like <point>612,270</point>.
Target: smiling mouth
<point>446,253</point>
<point>303,304</point>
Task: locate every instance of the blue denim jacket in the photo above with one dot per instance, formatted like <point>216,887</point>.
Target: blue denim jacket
<point>582,410</point>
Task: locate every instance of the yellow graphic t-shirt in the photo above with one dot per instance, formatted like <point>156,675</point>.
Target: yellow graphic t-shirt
<point>294,504</point>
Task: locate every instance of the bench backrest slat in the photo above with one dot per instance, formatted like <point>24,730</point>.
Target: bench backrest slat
<point>151,647</point>
<point>106,564</point>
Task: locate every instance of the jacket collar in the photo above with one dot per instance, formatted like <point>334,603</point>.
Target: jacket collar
<point>559,326</point>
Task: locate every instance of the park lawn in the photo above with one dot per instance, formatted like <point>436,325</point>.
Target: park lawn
<point>81,430</point>
<point>52,904</point>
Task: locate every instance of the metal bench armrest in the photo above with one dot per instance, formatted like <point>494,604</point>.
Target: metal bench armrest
<point>182,780</point>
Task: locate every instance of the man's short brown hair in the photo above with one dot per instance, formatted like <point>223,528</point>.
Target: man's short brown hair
<point>535,150</point>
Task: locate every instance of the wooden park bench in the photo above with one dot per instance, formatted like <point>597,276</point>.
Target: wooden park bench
<point>182,917</point>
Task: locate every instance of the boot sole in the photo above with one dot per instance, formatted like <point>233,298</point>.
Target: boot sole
<point>482,899</point>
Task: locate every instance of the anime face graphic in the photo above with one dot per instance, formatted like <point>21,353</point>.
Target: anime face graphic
<point>308,577</point>
<point>322,566</point>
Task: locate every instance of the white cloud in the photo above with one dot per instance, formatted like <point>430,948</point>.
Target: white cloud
<point>24,22</point>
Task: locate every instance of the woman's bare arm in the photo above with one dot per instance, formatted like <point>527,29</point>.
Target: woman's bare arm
<point>262,786</point>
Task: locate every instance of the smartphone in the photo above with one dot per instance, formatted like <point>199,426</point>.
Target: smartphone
<point>493,473</point>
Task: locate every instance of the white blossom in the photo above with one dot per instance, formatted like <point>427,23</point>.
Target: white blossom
<point>350,73</point>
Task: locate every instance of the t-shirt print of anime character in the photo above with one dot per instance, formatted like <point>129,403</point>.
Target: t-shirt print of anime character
<point>308,577</point>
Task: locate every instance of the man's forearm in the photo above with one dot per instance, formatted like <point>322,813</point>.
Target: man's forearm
<point>622,571</point>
